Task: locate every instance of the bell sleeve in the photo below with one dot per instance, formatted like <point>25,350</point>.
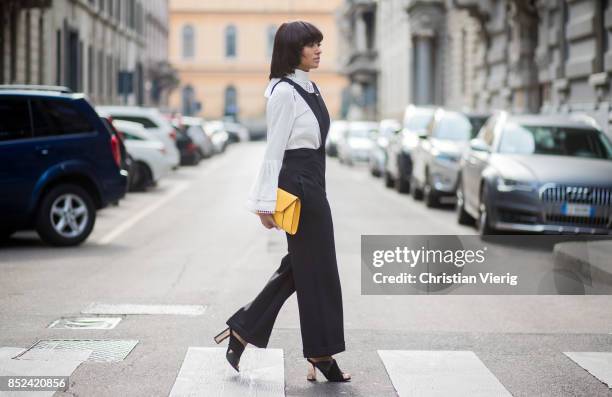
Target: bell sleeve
<point>280,115</point>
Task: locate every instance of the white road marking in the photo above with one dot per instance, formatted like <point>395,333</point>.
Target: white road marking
<point>598,364</point>
<point>117,231</point>
<point>441,373</point>
<point>206,372</point>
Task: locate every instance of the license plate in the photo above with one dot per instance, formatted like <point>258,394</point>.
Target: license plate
<point>578,210</point>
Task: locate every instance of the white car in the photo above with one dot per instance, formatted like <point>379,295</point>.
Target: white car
<point>148,152</point>
<point>153,120</point>
<point>194,126</point>
<point>357,143</point>
<point>217,134</point>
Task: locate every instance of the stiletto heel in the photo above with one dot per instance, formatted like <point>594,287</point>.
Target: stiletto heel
<point>235,347</point>
<point>222,335</point>
<point>312,373</point>
<point>329,369</point>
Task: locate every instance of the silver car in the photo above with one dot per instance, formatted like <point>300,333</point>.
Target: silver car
<point>537,173</point>
<point>387,128</point>
<point>356,143</point>
<point>435,159</point>
<point>398,167</point>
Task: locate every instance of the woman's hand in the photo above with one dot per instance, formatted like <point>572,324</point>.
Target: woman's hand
<point>267,220</point>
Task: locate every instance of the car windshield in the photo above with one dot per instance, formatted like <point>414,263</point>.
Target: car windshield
<point>418,120</point>
<point>560,141</point>
<point>453,127</point>
<point>360,131</point>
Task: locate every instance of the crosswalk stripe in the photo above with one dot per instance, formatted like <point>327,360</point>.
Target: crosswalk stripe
<point>206,372</point>
<point>430,373</point>
<point>598,364</point>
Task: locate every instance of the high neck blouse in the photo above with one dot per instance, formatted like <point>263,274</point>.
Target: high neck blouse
<point>291,124</point>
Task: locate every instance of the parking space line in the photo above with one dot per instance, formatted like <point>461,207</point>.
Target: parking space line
<point>440,373</point>
<point>116,232</point>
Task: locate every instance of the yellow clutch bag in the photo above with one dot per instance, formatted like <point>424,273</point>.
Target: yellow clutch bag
<point>287,211</point>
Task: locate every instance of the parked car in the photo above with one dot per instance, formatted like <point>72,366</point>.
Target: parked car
<point>190,153</point>
<point>398,168</point>
<point>236,131</point>
<point>127,162</point>
<point>148,152</point>
<point>537,173</point>
<point>356,143</point>
<point>59,164</point>
<point>378,155</point>
<point>337,129</point>
<point>435,159</point>
<point>217,134</point>
<point>153,120</point>
<point>194,127</point>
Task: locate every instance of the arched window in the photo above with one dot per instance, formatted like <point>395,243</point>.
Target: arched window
<point>231,102</point>
<point>188,100</point>
<point>188,41</point>
<point>230,41</point>
<point>270,33</point>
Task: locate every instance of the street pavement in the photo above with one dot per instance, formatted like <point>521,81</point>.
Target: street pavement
<point>175,262</point>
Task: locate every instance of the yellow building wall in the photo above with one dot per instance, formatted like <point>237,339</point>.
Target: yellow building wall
<point>210,72</point>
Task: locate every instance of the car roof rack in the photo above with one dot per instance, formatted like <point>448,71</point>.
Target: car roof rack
<point>34,87</point>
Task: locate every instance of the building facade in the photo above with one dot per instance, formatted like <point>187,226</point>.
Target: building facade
<point>544,56</point>
<point>115,51</point>
<point>401,52</point>
<point>222,50</point>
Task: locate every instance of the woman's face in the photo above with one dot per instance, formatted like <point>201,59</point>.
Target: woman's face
<point>311,55</point>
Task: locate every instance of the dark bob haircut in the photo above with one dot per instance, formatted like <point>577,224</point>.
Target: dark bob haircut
<point>289,40</point>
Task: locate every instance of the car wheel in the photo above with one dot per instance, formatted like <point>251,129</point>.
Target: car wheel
<point>483,223</point>
<point>389,182</point>
<point>144,177</point>
<point>430,196</point>
<point>415,192</point>
<point>66,215</point>
<point>401,185</point>
<point>463,218</point>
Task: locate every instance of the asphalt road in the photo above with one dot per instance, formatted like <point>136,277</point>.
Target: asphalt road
<point>190,241</point>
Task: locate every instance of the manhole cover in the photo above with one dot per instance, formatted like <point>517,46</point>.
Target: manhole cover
<point>105,308</point>
<point>86,323</point>
<point>102,350</point>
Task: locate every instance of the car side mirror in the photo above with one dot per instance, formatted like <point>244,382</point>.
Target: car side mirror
<point>422,134</point>
<point>479,145</point>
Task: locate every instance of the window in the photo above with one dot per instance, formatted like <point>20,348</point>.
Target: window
<point>270,33</point>
<point>50,117</point>
<point>14,119</point>
<point>188,100</point>
<point>145,121</point>
<point>231,106</point>
<point>188,41</point>
<point>230,41</point>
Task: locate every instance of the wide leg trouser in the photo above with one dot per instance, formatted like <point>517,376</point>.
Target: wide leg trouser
<point>309,268</point>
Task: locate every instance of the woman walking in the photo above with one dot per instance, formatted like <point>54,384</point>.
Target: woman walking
<point>294,160</point>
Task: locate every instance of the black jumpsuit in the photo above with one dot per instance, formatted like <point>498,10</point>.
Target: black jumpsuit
<point>310,266</point>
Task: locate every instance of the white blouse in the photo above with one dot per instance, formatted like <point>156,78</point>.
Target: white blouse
<point>291,125</point>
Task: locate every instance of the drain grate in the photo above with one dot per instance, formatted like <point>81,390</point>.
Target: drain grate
<point>102,350</point>
<point>105,308</point>
<point>86,323</point>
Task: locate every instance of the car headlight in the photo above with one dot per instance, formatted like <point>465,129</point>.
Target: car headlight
<point>509,185</point>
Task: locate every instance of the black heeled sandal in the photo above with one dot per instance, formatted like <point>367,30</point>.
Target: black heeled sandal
<point>234,347</point>
<point>329,369</point>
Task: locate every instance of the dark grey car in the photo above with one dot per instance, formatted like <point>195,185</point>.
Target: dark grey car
<point>537,173</point>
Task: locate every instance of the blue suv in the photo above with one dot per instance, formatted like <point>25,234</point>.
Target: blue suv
<point>58,164</point>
